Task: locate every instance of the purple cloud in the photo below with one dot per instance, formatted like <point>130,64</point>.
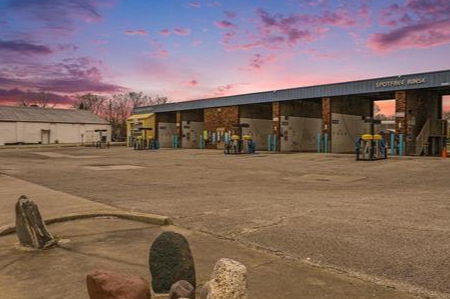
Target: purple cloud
<point>136,32</point>
<point>275,30</point>
<point>195,4</point>
<point>182,31</point>
<point>23,47</point>
<point>258,61</point>
<point>68,76</point>
<point>164,32</point>
<point>224,24</point>
<point>58,15</point>
<point>15,96</point>
<point>415,24</point>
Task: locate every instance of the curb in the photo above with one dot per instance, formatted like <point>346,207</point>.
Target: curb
<point>139,217</point>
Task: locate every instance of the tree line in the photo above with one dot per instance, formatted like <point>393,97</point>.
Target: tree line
<point>115,109</point>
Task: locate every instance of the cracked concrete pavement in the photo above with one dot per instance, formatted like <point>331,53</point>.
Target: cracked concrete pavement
<point>385,222</point>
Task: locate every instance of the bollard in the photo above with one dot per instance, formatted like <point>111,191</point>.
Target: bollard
<point>392,144</point>
<point>400,145</point>
<point>275,143</point>
<point>325,143</point>
<point>200,145</point>
<point>319,143</point>
<point>269,142</point>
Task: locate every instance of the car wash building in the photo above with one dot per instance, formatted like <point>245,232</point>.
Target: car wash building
<point>326,118</point>
<point>32,125</point>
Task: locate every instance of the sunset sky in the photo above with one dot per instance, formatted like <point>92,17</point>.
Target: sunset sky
<point>190,50</point>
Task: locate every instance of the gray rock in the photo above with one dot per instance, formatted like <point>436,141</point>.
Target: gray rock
<point>228,281</point>
<point>182,289</point>
<point>170,261</point>
<point>30,228</point>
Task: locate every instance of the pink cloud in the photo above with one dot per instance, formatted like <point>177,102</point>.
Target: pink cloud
<point>136,32</point>
<point>164,32</point>
<point>160,53</point>
<point>224,89</point>
<point>192,83</point>
<point>224,24</point>
<point>182,31</point>
<point>277,31</point>
<point>259,60</point>
<point>195,4</point>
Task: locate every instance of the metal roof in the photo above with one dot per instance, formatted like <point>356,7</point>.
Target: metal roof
<point>379,85</point>
<point>48,115</point>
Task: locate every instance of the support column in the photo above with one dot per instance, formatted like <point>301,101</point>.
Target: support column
<point>400,113</point>
<point>276,118</point>
<point>179,129</point>
<point>326,121</point>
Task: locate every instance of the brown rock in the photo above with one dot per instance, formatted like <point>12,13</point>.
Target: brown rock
<point>108,285</point>
<point>182,289</point>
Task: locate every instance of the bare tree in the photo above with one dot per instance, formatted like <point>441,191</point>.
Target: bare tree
<point>91,102</point>
<point>118,108</point>
<point>446,115</point>
<point>41,99</point>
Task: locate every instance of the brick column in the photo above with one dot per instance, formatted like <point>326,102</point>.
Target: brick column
<point>401,118</point>
<point>400,113</point>
<point>276,122</point>
<point>326,120</point>
<point>223,119</point>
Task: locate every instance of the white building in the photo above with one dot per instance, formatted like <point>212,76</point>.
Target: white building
<point>30,125</point>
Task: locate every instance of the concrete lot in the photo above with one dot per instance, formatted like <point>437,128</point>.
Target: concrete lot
<point>386,221</point>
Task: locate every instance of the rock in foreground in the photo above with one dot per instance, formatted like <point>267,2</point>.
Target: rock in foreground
<point>30,228</point>
<point>182,289</point>
<point>228,281</point>
<point>109,285</point>
<point>171,261</point>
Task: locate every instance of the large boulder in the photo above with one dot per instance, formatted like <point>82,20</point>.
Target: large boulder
<point>108,285</point>
<point>228,281</point>
<point>30,228</point>
<point>170,261</point>
<point>182,289</point>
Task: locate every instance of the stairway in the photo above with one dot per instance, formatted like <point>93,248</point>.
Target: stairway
<point>432,138</point>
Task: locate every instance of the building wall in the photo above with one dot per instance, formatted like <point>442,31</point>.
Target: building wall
<point>300,133</point>
<point>413,109</point>
<point>346,130</point>
<point>306,108</point>
<point>347,122</point>
<point>301,122</point>
<point>31,133</point>
<point>259,130</point>
<point>166,131</point>
<point>191,132</point>
<point>144,122</point>
<point>219,121</point>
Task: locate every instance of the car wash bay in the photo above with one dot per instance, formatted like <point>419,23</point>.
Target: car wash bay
<point>326,118</point>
